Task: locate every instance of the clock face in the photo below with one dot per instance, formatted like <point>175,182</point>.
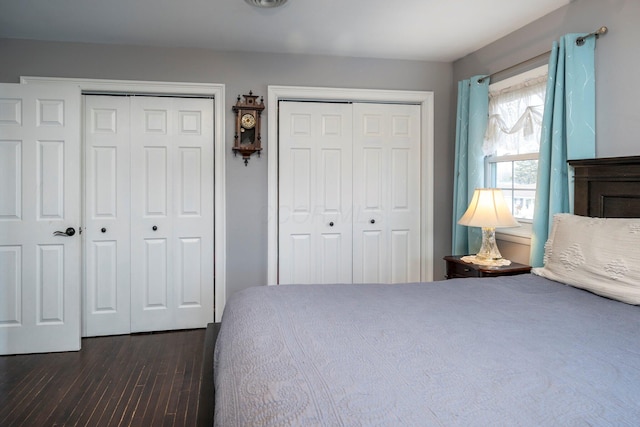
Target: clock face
<point>248,121</point>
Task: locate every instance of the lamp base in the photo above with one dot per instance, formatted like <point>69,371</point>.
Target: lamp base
<point>489,250</point>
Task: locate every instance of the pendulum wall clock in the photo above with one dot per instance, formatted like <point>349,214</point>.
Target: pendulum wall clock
<point>247,139</point>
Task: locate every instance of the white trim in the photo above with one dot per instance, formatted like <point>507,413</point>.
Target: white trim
<point>217,91</point>
<point>520,235</point>
<point>423,98</point>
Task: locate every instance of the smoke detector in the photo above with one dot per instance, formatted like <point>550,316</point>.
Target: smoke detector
<point>266,3</point>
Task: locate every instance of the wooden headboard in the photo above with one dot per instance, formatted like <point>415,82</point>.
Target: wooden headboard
<point>607,187</point>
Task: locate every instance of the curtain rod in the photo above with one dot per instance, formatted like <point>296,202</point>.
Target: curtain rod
<point>519,64</point>
<point>597,33</point>
<point>579,41</point>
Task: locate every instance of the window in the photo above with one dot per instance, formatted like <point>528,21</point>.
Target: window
<point>512,140</point>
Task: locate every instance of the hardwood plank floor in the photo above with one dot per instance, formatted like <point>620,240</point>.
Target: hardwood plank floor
<point>128,380</point>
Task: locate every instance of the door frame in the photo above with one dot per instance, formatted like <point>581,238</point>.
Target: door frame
<point>301,93</point>
<point>217,92</point>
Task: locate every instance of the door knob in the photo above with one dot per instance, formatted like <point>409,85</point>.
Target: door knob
<point>373,221</point>
<point>104,230</point>
<point>154,228</point>
<point>331,224</point>
<point>68,232</point>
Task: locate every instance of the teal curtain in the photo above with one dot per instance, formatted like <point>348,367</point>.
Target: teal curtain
<point>568,133</point>
<point>471,124</point>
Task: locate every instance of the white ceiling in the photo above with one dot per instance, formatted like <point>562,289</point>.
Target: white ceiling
<point>434,30</point>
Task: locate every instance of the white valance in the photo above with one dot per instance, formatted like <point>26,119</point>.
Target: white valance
<point>515,118</point>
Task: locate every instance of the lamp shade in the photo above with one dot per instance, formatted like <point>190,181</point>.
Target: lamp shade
<point>489,210</point>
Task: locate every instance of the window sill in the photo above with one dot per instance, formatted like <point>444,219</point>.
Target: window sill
<point>520,235</point>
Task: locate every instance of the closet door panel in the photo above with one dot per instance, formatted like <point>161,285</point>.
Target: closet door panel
<point>371,268</point>
<point>151,226</point>
<point>401,262</point>
<point>192,203</point>
<point>155,190</point>
<point>300,182</point>
<point>104,276</point>
<point>190,272</point>
<point>106,220</point>
<point>386,192</point>
<point>189,182</point>
<point>155,274</point>
<point>371,183</point>
<point>104,163</point>
<point>400,180</point>
<point>172,213</point>
<point>300,266</point>
<point>331,260</point>
<point>315,192</point>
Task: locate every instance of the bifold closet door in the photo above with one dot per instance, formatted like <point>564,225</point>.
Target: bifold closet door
<point>171,213</point>
<point>349,193</point>
<point>386,193</point>
<point>149,214</point>
<point>314,220</point>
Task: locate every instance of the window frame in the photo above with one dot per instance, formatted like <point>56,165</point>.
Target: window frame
<point>520,234</point>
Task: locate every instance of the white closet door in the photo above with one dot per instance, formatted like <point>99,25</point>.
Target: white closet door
<point>171,213</point>
<point>106,219</point>
<point>315,213</point>
<point>386,193</point>
<point>39,197</point>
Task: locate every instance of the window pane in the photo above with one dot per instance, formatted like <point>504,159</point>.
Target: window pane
<point>525,173</point>
<point>523,201</point>
<point>517,180</point>
<point>508,197</point>
<point>504,174</point>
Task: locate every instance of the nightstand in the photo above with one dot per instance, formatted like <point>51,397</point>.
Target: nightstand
<point>456,268</point>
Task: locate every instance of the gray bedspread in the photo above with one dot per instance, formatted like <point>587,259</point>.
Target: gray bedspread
<point>511,351</point>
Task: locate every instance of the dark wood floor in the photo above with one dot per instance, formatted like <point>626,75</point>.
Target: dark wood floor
<point>129,380</point>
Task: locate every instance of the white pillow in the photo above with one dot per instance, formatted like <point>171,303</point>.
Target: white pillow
<point>601,255</point>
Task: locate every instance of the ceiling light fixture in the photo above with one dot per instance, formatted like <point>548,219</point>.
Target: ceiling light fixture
<point>266,3</point>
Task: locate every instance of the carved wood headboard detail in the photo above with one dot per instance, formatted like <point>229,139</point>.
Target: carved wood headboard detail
<point>607,187</point>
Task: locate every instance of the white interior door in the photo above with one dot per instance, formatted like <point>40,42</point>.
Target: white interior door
<point>39,197</point>
<point>107,216</point>
<point>171,213</point>
<point>315,216</point>
<point>386,193</point>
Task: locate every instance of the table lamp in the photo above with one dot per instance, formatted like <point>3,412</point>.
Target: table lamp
<point>489,211</point>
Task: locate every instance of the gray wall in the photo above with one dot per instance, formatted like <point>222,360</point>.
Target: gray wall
<point>241,72</point>
<point>617,64</point>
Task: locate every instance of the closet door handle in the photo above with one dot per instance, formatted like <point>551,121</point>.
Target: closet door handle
<point>331,224</point>
<point>154,228</point>
<point>104,230</point>
<point>373,221</point>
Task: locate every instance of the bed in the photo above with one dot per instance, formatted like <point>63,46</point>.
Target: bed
<point>517,350</point>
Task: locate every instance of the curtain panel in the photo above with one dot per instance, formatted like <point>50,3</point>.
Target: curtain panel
<point>568,133</point>
<point>471,124</point>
